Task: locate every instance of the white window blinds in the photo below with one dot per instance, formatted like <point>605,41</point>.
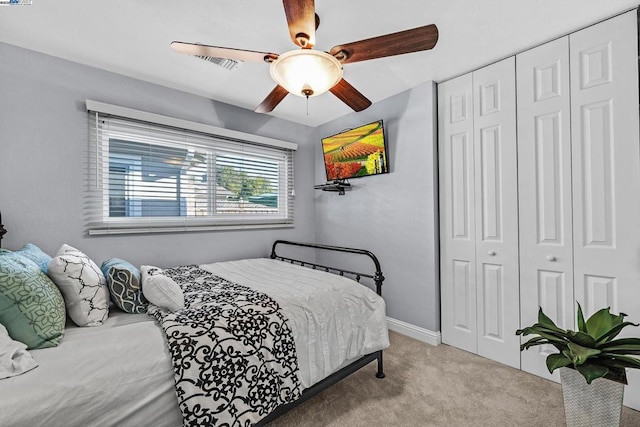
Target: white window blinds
<point>147,176</point>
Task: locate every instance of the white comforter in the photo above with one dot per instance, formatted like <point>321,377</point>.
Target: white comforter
<point>334,319</point>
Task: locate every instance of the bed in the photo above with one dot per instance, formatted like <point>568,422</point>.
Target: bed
<point>124,373</point>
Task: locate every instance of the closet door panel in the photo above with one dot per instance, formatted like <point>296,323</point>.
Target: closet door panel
<point>495,164</point>
<point>606,172</point>
<point>544,186</point>
<point>457,214</point>
<point>606,166</point>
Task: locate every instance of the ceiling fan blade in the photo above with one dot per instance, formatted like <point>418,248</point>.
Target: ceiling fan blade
<point>301,17</point>
<point>414,40</point>
<point>203,50</point>
<point>350,96</point>
<point>272,100</point>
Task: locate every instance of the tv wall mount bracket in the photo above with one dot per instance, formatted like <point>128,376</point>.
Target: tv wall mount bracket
<point>339,186</point>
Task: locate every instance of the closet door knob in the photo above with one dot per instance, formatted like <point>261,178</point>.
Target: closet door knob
<point>551,258</point>
<point>492,253</point>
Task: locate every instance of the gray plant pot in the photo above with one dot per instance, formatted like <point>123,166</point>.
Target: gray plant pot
<point>595,404</point>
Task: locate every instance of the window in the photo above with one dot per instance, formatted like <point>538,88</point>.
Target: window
<point>150,173</point>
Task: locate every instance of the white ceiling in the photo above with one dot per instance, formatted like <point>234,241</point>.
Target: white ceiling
<point>132,37</point>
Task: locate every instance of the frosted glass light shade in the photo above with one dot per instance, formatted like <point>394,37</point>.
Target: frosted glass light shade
<point>306,72</point>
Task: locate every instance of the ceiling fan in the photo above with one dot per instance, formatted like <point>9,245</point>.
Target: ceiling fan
<point>307,72</point>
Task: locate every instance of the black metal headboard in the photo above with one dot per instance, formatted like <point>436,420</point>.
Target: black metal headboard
<point>377,277</point>
<point>3,231</point>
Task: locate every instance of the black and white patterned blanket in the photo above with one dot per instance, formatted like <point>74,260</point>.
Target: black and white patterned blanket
<point>234,356</point>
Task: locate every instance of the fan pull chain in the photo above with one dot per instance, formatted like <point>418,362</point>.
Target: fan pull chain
<point>307,91</point>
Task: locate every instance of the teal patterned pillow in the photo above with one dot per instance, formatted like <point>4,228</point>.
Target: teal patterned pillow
<point>123,280</point>
<point>36,255</point>
<point>31,306</point>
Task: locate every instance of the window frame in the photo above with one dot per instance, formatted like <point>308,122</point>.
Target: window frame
<point>205,138</point>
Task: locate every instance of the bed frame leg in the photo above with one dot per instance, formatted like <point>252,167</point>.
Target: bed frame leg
<point>380,373</point>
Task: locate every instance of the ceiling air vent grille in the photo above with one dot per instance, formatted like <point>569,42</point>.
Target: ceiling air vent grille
<point>228,64</point>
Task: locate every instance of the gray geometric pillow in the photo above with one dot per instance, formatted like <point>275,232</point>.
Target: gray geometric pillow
<point>123,280</point>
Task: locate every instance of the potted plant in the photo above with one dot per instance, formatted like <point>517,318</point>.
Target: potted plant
<point>592,364</point>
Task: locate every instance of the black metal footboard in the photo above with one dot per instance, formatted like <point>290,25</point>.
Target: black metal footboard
<point>377,277</point>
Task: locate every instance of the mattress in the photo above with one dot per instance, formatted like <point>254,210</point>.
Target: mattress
<point>121,374</point>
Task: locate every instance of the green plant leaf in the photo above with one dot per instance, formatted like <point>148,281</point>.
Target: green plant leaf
<point>530,344</point>
<point>613,332</point>
<point>582,327</point>
<point>542,331</point>
<point>619,318</point>
<point>533,341</point>
<point>622,361</point>
<point>612,363</point>
<point>527,331</point>
<point>579,354</point>
<point>581,338</point>
<point>616,370</point>
<point>592,371</point>
<point>560,333</point>
<point>545,321</point>
<point>622,346</point>
<point>632,342</point>
<point>615,366</point>
<point>538,338</point>
<point>555,361</point>
<point>620,351</point>
<point>601,322</point>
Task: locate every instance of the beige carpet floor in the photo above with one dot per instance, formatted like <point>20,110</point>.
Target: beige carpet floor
<point>436,386</point>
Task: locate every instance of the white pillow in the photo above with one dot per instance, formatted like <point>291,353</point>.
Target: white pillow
<point>161,290</point>
<point>14,357</point>
<point>82,284</point>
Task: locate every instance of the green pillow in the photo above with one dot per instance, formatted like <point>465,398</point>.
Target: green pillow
<point>31,306</point>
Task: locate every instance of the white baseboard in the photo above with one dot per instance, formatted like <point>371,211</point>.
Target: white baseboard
<point>421,334</point>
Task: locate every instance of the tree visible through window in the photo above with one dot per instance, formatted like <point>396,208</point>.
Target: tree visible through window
<point>253,183</point>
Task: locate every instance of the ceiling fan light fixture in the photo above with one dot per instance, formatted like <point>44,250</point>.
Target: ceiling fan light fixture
<point>306,72</point>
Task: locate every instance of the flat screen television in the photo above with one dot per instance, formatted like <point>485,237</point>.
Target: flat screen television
<point>356,152</point>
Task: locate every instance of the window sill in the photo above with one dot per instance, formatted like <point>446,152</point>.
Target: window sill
<point>183,229</point>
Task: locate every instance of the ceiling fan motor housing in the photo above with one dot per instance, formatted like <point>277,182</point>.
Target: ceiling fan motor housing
<point>306,72</point>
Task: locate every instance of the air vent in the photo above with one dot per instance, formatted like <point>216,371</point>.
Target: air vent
<point>226,63</point>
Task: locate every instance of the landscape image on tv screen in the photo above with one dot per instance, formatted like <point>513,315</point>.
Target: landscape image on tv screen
<point>356,152</point>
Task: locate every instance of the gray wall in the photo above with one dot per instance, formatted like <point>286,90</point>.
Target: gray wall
<point>393,215</point>
<point>43,142</point>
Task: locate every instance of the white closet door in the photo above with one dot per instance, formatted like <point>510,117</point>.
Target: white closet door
<point>544,183</point>
<point>496,207</point>
<point>457,217</point>
<point>606,172</point>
